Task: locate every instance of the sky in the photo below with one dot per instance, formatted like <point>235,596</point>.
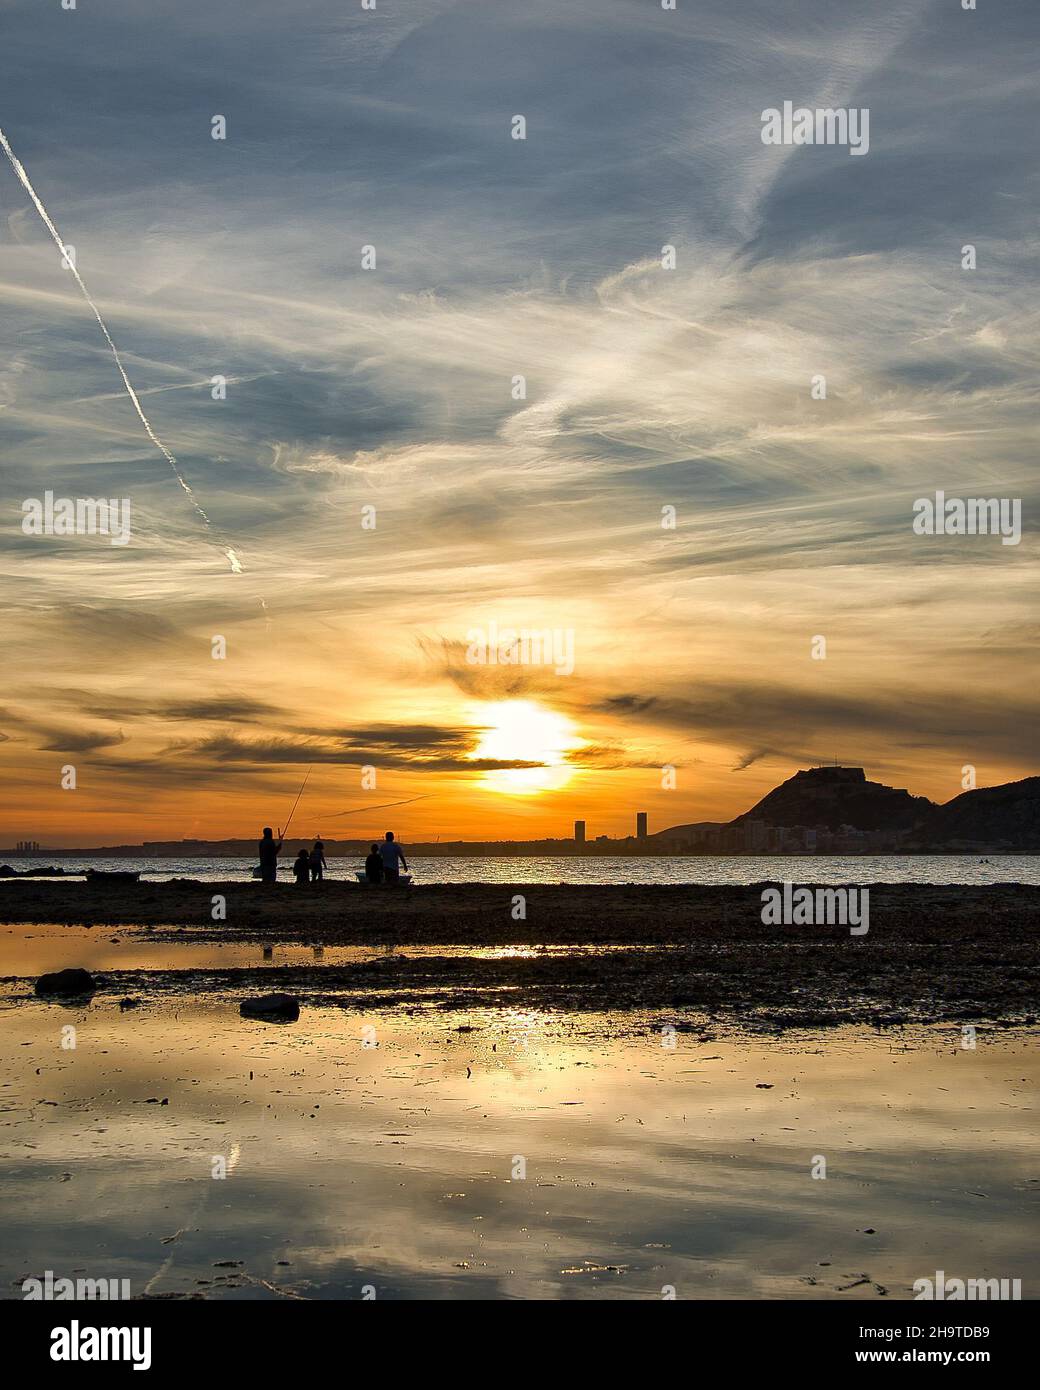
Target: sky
<point>389,492</point>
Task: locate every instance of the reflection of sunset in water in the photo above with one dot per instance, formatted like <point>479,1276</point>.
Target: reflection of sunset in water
<point>393,1164</point>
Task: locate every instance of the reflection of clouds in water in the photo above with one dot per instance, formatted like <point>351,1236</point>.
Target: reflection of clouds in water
<point>629,1147</point>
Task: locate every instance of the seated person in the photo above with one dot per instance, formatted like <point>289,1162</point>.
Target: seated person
<point>302,867</point>
<point>374,866</point>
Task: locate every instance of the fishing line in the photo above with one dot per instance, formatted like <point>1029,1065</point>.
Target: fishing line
<point>296,803</point>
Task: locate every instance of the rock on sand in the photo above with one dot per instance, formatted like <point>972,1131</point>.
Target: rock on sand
<point>66,982</point>
<point>276,1008</point>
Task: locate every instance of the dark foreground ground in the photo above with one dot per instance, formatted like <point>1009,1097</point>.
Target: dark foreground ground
<point>955,954</point>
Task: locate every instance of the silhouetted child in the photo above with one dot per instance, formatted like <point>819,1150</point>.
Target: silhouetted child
<point>302,867</point>
<point>318,864</point>
<point>374,866</point>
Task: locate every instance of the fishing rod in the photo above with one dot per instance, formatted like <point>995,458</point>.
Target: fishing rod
<point>296,803</point>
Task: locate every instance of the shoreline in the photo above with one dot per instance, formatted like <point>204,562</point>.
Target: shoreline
<point>932,954</point>
<point>430,851</point>
<point>344,911</point>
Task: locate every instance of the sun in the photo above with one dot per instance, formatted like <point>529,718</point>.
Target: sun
<point>523,731</point>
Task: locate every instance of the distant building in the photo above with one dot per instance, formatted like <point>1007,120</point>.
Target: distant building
<point>579,832</point>
<point>27,847</point>
<point>640,825</point>
<point>755,836</point>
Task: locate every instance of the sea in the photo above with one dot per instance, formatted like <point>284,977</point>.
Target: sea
<point>970,869</point>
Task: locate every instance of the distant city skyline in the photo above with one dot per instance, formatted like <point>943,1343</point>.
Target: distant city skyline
<point>827,809</point>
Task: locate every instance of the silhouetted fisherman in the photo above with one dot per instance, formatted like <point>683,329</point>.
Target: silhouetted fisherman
<point>301,867</point>
<point>270,849</point>
<point>392,855</point>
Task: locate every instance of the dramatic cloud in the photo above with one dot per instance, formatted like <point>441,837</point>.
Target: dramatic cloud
<point>345,752</point>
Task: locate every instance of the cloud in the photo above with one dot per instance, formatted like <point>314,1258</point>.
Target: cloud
<point>809,721</point>
<point>344,751</point>
<point>76,741</point>
<point>218,709</point>
<point>447,660</point>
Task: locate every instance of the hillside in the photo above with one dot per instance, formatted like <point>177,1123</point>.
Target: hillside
<point>837,796</point>
<point>1005,817</point>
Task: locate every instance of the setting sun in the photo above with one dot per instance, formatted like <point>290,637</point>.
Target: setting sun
<point>523,731</point>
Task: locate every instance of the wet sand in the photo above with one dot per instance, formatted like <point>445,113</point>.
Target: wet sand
<point>932,954</point>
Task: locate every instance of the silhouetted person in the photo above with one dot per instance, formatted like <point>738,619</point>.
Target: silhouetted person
<point>301,867</point>
<point>374,866</point>
<point>270,849</point>
<point>392,854</point>
<point>318,865</point>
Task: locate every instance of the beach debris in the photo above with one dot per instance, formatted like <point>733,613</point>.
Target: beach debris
<point>112,876</point>
<point>68,983</point>
<point>271,1287</point>
<point>129,1003</point>
<point>763,1085</point>
<point>273,1008</point>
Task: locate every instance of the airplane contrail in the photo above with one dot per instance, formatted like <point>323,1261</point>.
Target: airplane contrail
<point>362,809</point>
<point>23,177</point>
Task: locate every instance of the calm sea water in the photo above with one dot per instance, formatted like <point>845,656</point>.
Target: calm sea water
<point>884,868</point>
